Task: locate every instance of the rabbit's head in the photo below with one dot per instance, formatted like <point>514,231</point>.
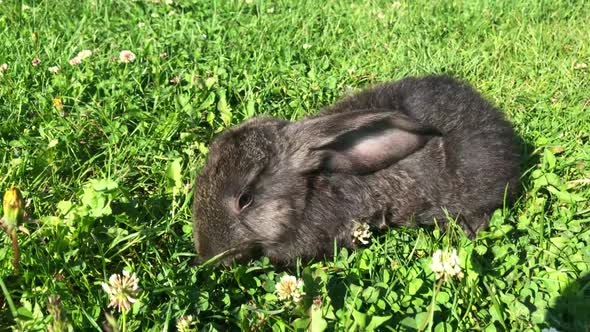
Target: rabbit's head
<point>253,194</point>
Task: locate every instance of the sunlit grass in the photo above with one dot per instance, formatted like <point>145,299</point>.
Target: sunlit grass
<point>105,150</point>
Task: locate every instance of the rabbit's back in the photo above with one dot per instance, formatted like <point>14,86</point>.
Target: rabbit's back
<point>473,166</point>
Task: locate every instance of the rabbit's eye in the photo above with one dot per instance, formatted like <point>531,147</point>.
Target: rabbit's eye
<point>245,200</point>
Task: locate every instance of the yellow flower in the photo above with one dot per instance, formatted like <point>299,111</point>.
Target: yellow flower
<point>122,290</point>
<point>13,205</point>
<point>289,286</point>
<point>58,104</point>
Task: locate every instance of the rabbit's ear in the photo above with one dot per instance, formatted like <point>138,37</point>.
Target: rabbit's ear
<point>362,142</point>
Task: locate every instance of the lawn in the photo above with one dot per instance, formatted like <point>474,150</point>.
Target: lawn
<point>105,149</point>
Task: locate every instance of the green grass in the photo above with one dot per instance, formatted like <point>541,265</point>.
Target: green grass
<point>108,178</point>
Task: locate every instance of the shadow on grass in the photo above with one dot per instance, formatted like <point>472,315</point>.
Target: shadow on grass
<point>571,311</point>
<point>6,319</point>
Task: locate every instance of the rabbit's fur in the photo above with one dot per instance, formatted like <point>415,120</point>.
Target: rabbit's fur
<point>401,153</point>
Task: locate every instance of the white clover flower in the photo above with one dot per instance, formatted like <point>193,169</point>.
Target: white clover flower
<point>446,264</point>
<point>36,61</point>
<point>289,286</point>
<point>126,56</point>
<point>75,61</point>
<point>361,233</point>
<point>3,67</point>
<point>184,323</point>
<point>122,290</point>
<point>85,54</point>
<point>306,46</point>
<point>54,70</point>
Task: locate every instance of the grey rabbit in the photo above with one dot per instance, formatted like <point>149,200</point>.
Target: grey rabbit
<point>401,153</point>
